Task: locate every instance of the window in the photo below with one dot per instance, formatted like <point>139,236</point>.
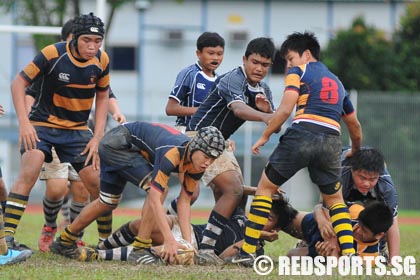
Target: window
<point>122,58</point>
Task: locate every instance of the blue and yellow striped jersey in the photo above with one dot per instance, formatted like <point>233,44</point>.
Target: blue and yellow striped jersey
<point>67,86</point>
<point>322,97</point>
<point>166,149</point>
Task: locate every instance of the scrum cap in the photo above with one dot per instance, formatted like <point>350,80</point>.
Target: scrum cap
<point>88,24</point>
<point>209,140</point>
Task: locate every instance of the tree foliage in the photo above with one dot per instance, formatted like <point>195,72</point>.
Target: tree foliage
<point>52,13</point>
<point>362,57</point>
<point>366,58</point>
<point>407,45</point>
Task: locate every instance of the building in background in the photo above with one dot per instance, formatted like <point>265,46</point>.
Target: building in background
<point>150,41</point>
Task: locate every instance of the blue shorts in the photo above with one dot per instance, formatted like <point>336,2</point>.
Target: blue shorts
<point>121,161</point>
<point>311,233</point>
<point>300,147</point>
<point>67,143</point>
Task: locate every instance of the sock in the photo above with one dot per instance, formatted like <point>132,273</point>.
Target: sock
<point>3,244</point>
<point>67,237</point>
<point>340,219</point>
<point>140,244</point>
<point>172,208</point>
<point>258,217</point>
<point>75,209</point>
<point>214,228</point>
<point>65,208</point>
<point>119,238</point>
<point>116,254</point>
<point>15,207</point>
<point>51,209</point>
<point>3,205</point>
<point>104,223</point>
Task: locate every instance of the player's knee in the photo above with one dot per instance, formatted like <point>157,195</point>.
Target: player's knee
<point>228,183</point>
<point>331,189</point>
<point>273,176</point>
<point>110,200</point>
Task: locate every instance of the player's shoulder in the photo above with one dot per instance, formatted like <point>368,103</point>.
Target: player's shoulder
<point>54,50</point>
<point>189,70</point>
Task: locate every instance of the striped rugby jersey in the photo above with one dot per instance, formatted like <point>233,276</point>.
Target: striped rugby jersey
<point>67,86</point>
<point>322,97</point>
<point>165,148</point>
<point>191,87</point>
<point>215,109</point>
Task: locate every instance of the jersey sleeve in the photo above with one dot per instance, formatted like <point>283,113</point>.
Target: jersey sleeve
<point>348,108</point>
<point>191,181</point>
<point>182,85</point>
<point>387,190</point>
<point>104,79</point>
<point>40,64</point>
<point>111,94</point>
<point>231,88</point>
<point>292,80</point>
<point>163,167</point>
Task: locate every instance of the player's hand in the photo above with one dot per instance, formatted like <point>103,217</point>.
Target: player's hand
<point>27,136</point>
<point>119,117</point>
<point>271,235</point>
<point>262,103</point>
<point>1,110</point>
<point>92,150</point>
<point>326,230</point>
<point>170,250</point>
<point>325,248</point>
<point>260,142</point>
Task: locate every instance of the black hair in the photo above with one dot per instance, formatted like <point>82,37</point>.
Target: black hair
<point>210,39</point>
<point>66,29</point>
<point>376,216</point>
<point>300,42</point>
<point>263,46</point>
<point>284,212</point>
<point>369,159</point>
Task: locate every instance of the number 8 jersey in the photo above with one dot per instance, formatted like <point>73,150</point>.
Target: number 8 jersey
<point>322,97</point>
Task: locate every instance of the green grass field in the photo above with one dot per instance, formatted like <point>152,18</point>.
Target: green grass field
<point>50,266</point>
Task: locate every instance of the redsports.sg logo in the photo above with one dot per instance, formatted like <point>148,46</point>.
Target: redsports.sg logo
<point>321,266</point>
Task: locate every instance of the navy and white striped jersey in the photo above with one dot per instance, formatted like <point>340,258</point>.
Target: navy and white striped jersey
<point>191,87</point>
<point>215,109</point>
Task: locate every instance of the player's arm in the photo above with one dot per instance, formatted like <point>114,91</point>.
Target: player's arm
<point>393,237</point>
<point>184,214</point>
<point>355,132</point>
<point>322,218</point>
<point>170,244</point>
<point>101,105</point>
<point>29,101</point>
<point>282,113</point>
<point>174,108</point>
<point>27,134</point>
<point>115,111</point>
<point>245,112</point>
